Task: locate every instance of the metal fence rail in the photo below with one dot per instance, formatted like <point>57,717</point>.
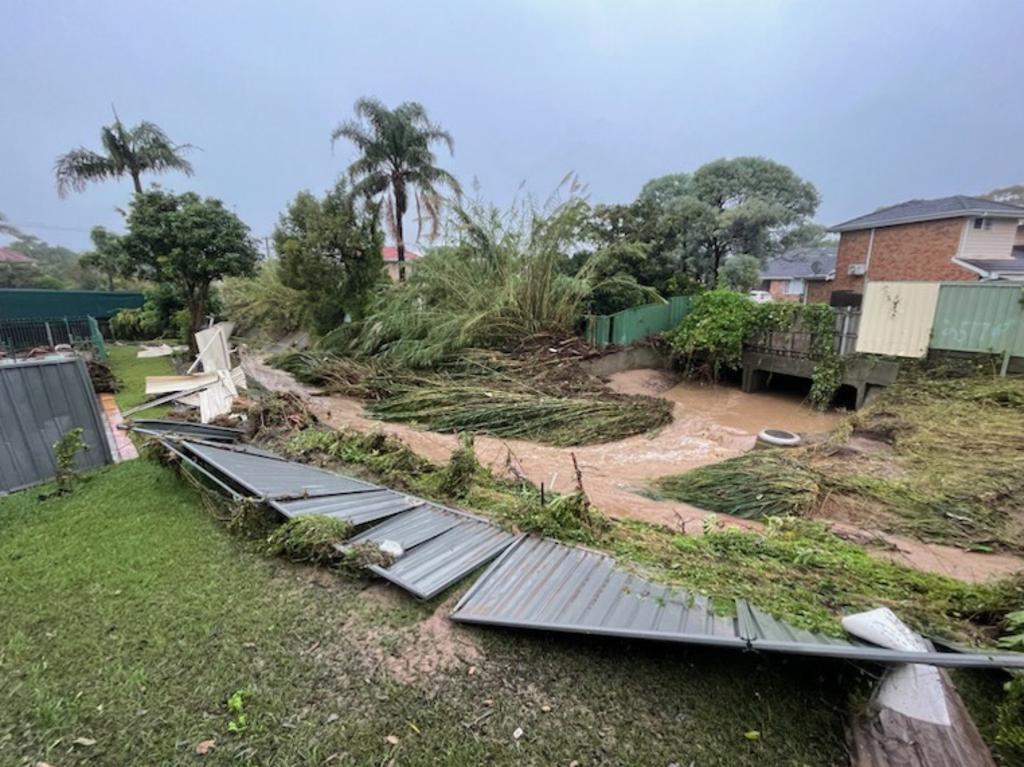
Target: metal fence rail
<point>17,335</point>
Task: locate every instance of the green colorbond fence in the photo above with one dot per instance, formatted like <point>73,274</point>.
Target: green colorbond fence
<point>980,317</point>
<point>28,304</point>
<point>635,324</point>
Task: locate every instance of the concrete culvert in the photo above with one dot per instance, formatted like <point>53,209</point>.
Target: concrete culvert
<point>779,438</point>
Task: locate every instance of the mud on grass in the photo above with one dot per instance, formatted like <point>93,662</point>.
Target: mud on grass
<point>522,395</point>
<point>946,465</point>
<point>132,624</point>
<point>797,570</point>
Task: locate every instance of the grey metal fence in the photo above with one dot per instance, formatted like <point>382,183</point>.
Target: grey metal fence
<point>40,401</point>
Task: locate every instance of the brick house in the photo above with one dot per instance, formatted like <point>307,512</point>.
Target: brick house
<point>390,255</point>
<point>951,238</point>
<point>801,275</point>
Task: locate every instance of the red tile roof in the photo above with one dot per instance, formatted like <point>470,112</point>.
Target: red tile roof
<point>390,254</point>
<point>8,256</point>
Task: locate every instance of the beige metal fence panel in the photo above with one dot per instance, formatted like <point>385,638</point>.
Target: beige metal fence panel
<point>896,318</point>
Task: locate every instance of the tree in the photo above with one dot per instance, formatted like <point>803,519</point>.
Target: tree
<point>396,161</point>
<point>740,272</point>
<point>54,267</point>
<point>1013,195</point>
<point>187,243</point>
<point>692,223</point>
<point>128,152</point>
<point>107,257</point>
<point>330,250</point>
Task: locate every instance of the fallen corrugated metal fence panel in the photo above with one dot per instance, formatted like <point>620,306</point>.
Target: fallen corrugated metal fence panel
<point>187,429</point>
<point>439,546</point>
<point>542,584</point>
<point>535,583</point>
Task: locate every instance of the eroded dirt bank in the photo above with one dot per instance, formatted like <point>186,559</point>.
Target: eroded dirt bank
<point>711,423</point>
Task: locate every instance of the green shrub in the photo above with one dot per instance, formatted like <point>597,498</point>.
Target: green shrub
<point>310,539</point>
<point>714,331</point>
<point>457,477</point>
<point>712,336</point>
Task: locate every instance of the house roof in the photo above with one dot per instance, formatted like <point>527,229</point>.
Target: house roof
<point>997,267</point>
<point>802,263</point>
<point>8,256</point>
<point>390,254</point>
<point>927,210</point>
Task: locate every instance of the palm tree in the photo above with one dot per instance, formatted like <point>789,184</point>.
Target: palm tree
<point>129,151</point>
<point>396,161</point>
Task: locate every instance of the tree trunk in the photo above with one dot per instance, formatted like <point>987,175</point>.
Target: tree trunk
<point>197,308</point>
<point>400,203</point>
<point>137,181</point>
<point>110,281</point>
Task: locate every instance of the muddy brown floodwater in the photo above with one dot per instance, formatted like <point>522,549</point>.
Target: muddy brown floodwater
<point>710,424</point>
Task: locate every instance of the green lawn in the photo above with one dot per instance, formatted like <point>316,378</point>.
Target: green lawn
<point>133,371</point>
<point>130,618</point>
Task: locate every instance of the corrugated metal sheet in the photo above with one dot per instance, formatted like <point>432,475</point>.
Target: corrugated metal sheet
<point>542,584</point>
<point>980,317</point>
<point>441,545</point>
<point>896,318</point>
<point>356,508</point>
<point>187,429</point>
<point>40,401</point>
<point>412,528</point>
<point>429,568</point>
<point>274,477</point>
<point>637,323</point>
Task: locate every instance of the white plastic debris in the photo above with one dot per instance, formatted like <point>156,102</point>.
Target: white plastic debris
<point>391,548</point>
<point>913,689</point>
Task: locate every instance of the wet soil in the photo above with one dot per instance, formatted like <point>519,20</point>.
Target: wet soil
<point>710,424</point>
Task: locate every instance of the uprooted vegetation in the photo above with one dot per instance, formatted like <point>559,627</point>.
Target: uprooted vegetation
<point>941,459</point>
<point>539,392</point>
<point>797,570</point>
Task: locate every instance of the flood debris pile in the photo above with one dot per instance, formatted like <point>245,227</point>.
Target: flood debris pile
<point>535,582</point>
<point>940,459</point>
<point>539,392</point>
<point>213,390</point>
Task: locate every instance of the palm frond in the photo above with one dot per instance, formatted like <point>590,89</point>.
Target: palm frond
<point>78,167</point>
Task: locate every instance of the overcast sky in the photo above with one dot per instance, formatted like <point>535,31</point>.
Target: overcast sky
<point>874,102</point>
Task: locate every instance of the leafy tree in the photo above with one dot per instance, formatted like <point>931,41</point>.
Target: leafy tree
<point>107,257</point>
<point>330,250</point>
<point>127,152</point>
<point>396,162</point>
<point>1013,195</point>
<point>740,273</point>
<point>55,266</point>
<point>186,243</point>
<point>691,223</point>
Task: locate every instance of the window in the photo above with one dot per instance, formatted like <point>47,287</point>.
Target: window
<point>795,288</point>
<point>983,223</point>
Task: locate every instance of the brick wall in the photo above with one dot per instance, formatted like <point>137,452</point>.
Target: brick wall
<point>818,291</point>
<point>777,289</point>
<point>921,251</point>
<point>853,249</point>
